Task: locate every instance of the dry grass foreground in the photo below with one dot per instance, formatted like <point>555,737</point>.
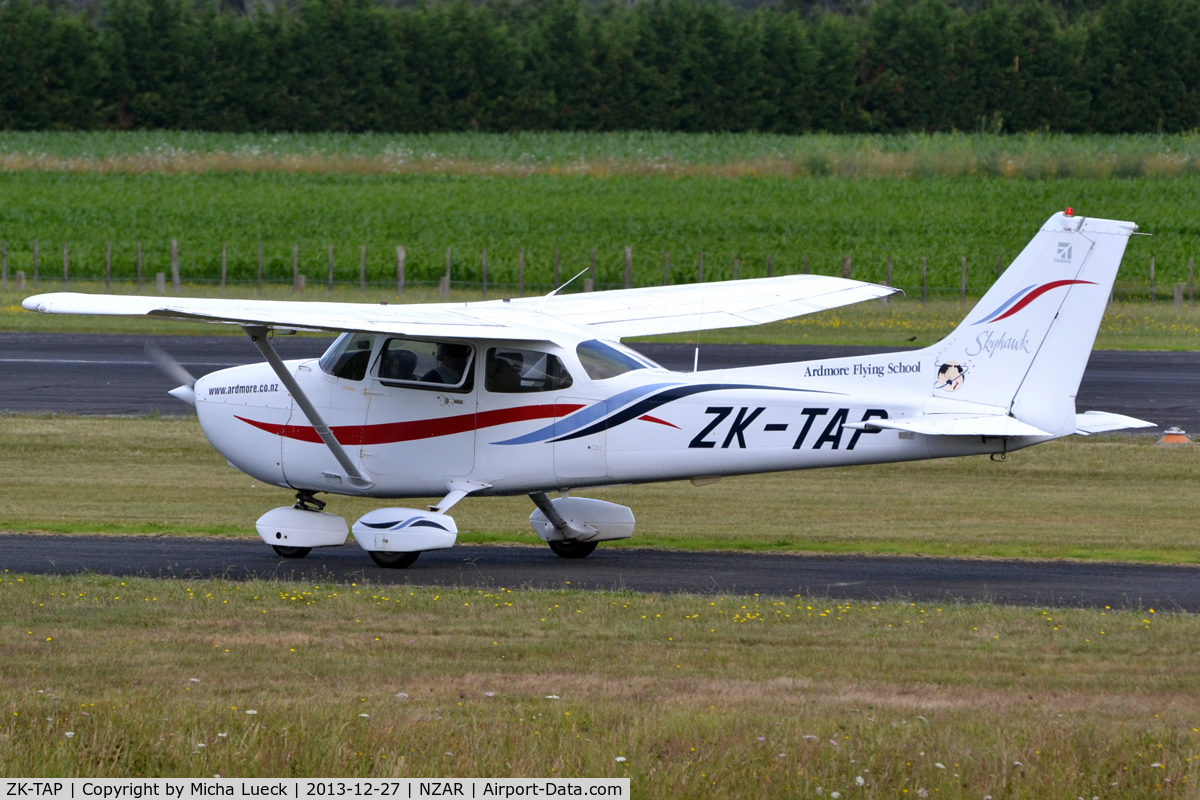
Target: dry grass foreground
<point>1114,498</point>
<point>701,696</point>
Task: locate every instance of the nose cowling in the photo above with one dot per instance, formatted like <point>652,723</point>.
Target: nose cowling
<point>229,403</point>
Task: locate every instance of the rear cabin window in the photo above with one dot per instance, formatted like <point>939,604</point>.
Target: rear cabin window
<point>511,371</point>
<point>426,365</point>
<point>602,360</point>
<point>349,356</point>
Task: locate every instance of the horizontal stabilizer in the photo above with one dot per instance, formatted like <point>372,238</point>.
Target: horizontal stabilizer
<point>1101,421</point>
<point>992,425</point>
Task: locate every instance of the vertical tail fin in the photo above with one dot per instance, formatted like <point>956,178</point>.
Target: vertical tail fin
<point>1026,344</point>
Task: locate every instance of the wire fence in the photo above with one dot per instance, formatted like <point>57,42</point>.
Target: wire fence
<point>163,268</point>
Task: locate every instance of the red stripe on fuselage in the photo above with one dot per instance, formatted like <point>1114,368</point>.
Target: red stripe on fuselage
<point>649,418</point>
<point>392,432</point>
<point>1035,294</point>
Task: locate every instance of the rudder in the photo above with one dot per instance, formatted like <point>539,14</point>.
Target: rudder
<point>1025,345</point>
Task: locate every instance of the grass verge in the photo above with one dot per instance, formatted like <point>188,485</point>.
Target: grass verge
<point>902,322</point>
<point>1110,498</point>
<point>1029,156</point>
<point>702,696</point>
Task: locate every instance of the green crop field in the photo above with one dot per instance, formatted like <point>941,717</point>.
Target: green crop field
<point>715,195</point>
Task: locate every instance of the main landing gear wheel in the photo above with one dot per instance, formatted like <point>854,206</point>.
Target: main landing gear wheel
<point>291,552</point>
<point>394,560</point>
<point>572,549</point>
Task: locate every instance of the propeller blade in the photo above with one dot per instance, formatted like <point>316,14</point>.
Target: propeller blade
<point>169,366</point>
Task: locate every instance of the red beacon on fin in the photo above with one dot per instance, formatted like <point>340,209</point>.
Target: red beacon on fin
<point>1070,211</point>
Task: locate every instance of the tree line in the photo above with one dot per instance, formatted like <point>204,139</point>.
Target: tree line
<point>670,65</point>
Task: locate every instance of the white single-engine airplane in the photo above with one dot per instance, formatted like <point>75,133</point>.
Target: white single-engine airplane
<point>537,395</point>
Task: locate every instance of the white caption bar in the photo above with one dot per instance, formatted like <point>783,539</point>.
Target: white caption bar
<point>306,788</point>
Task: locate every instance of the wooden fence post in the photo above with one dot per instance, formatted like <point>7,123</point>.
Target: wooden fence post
<point>846,267</point>
<point>444,286</point>
<point>924,284</point>
<point>401,255</point>
<point>589,283</point>
<point>260,266</point>
<point>963,296</point>
<point>301,282</point>
<point>175,265</point>
<point>1191,281</point>
<point>20,280</point>
<point>700,269</point>
<point>769,265</point>
<point>224,267</point>
<point>485,273</point>
<point>557,273</point>
<point>107,265</point>
<point>1152,281</point>
<point>628,267</point>
<point>65,266</point>
<point>1178,296</point>
<point>883,301</point>
<point>160,282</point>
<point>362,269</point>
<point>35,265</point>
<point>735,267</point>
<point>521,273</point>
<point>295,268</point>
<point>666,267</point>
<point>329,284</point>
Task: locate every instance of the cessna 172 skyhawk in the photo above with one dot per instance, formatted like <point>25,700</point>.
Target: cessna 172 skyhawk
<point>537,395</point>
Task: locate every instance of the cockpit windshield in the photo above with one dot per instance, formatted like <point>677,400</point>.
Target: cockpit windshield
<point>349,356</point>
<point>601,360</point>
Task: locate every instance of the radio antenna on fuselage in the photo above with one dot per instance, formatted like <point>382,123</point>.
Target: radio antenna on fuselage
<point>542,304</point>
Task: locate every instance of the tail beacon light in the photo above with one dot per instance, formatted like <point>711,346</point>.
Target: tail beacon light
<point>404,530</point>
<point>599,521</point>
<point>297,527</point>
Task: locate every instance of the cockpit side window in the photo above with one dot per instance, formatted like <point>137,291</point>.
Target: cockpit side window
<point>601,360</point>
<point>349,356</point>
<point>511,371</point>
<point>426,365</point>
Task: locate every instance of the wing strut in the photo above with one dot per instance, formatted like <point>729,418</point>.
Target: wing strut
<point>258,335</point>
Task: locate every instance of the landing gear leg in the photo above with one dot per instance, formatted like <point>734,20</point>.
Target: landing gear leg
<point>567,548</point>
<point>306,501</point>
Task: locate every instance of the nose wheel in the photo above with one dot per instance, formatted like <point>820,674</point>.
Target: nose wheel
<point>572,549</point>
<point>291,552</point>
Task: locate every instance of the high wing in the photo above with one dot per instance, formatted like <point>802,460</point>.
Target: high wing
<point>706,306</point>
<point>613,314</point>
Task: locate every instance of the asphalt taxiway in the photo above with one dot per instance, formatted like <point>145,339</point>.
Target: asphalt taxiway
<point>1028,583</point>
